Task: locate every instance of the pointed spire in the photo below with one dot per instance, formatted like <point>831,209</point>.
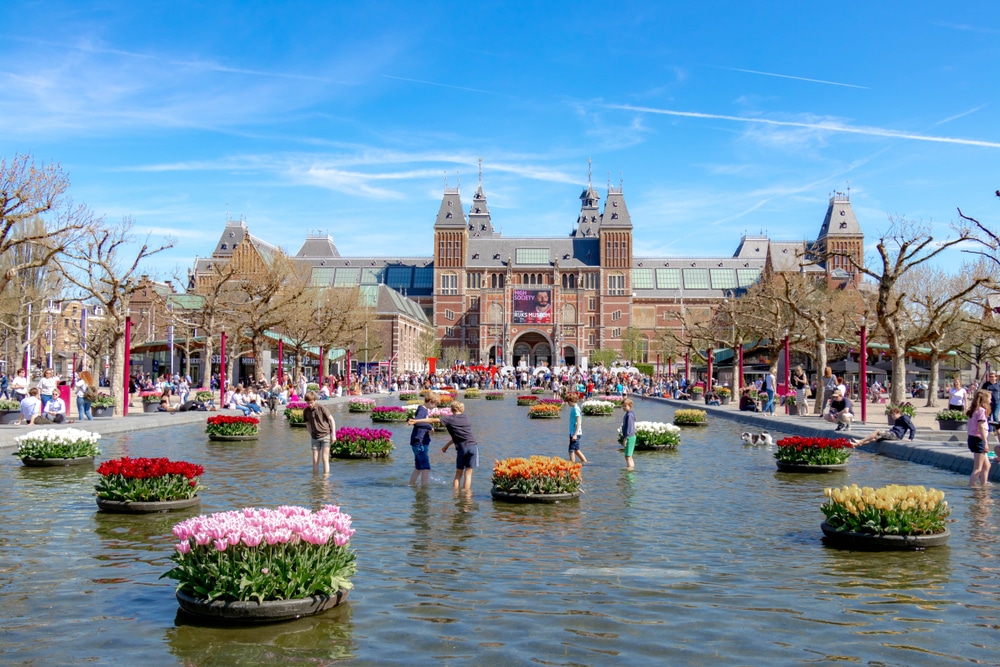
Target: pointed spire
<point>589,220</point>
<point>480,224</point>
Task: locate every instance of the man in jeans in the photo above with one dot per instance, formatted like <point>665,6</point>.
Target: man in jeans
<point>991,385</point>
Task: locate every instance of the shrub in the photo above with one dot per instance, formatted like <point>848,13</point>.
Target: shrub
<point>539,474</point>
<point>9,405</point>
<point>203,395</point>
<point>951,415</point>
<point>54,443</point>
<point>814,451</point>
<point>312,386</point>
<point>906,408</point>
<point>889,510</point>
<point>264,554</point>
<point>148,480</point>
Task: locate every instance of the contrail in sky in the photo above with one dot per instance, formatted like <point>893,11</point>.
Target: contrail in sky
<point>795,78</point>
<point>830,127</point>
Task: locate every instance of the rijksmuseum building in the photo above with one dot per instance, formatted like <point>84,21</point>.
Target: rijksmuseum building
<point>553,300</point>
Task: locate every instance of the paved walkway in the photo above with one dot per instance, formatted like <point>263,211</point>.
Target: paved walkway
<point>942,449</point>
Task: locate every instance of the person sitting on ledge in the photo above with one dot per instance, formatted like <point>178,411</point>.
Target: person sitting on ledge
<point>747,402</point>
<point>900,426</point>
<point>711,398</point>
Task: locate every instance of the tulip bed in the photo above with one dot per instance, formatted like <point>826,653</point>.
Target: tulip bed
<point>362,442</point>
<point>527,400</point>
<point>286,553</point>
<point>53,443</point>
<point>148,480</point>
<point>391,413</point>
<point>690,417</point>
<point>231,426</point>
<point>295,412</point>
<point>813,451</point>
<point>472,393</point>
<point>538,474</point>
<point>405,396</point>
<point>656,435</point>
<point>545,411</point>
<point>889,510</point>
<point>360,405</point>
<point>494,396</point>
<point>597,408</point>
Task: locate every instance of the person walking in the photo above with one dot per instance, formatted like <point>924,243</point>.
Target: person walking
<point>322,429</point>
<point>575,428</point>
<point>769,390</point>
<point>628,433</point>
<point>800,382</point>
<point>993,387</point>
<point>85,395</point>
<point>957,395</point>
<point>19,385</point>
<point>829,386</point>
<point>978,438</point>
<point>420,440</point>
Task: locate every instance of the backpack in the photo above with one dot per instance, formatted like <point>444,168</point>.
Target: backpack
<point>90,394</point>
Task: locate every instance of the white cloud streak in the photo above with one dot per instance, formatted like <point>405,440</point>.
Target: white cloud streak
<point>795,78</point>
<point>826,126</point>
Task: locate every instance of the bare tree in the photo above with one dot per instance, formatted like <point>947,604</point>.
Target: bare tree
<point>905,246</point>
<point>342,318</point>
<point>32,192</point>
<point>104,266</point>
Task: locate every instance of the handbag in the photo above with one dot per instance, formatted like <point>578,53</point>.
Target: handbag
<point>90,394</point>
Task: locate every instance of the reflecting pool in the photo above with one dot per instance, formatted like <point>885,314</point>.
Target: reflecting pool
<point>704,555</point>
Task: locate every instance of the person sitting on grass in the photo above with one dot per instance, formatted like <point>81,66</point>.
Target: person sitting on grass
<point>901,424</point>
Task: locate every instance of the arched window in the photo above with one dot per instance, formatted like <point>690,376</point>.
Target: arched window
<point>569,314</point>
<point>496,313</point>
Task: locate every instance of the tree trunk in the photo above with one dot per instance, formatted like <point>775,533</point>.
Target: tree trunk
<point>932,386</point>
<point>898,394</point>
<point>206,363</point>
<point>820,366</point>
<point>116,371</point>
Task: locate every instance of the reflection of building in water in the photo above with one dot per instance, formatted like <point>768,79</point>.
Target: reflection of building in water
<point>592,284</point>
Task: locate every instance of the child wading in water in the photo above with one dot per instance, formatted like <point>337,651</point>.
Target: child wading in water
<point>628,433</point>
<point>575,428</point>
<point>466,448</point>
<point>322,429</point>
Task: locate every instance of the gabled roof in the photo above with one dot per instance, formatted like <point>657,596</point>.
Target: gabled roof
<point>788,256</point>
<point>480,223</point>
<point>233,234</point>
<point>387,301</point>
<point>615,212</point>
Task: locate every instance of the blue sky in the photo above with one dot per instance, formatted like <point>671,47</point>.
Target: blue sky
<point>720,119</point>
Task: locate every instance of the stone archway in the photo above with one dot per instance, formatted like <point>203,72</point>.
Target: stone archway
<point>532,348</point>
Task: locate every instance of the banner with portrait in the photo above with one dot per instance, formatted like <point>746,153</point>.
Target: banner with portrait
<point>532,306</point>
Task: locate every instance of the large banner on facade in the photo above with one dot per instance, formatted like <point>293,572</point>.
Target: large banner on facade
<point>532,306</point>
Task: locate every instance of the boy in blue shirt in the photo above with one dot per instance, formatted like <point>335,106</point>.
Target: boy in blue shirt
<point>575,428</point>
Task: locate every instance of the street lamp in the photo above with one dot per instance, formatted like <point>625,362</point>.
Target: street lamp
<point>788,370</point>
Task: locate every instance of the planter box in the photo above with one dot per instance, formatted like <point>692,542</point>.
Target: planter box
<point>259,612</point>
<point>810,468</point>
<point>952,424</point>
<point>503,496</point>
<point>102,413</point>
<point>151,407</point>
<point>724,400</point>
<point>846,539</point>
<point>145,507</point>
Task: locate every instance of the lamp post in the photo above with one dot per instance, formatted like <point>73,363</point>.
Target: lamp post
<point>281,361</point>
<point>708,382</point>
<point>863,389</point>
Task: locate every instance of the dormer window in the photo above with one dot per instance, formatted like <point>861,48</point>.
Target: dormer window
<point>615,204</point>
<point>224,246</point>
<point>496,256</point>
<point>347,263</point>
<point>614,216</point>
<point>449,202</point>
<point>478,210</point>
<point>448,214</point>
<point>232,235</point>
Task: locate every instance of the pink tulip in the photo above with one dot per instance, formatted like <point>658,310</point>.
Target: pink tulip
<point>221,545</point>
<point>201,539</point>
<point>184,547</point>
<point>264,570</point>
<point>252,538</point>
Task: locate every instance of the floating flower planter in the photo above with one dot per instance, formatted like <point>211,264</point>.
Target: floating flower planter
<point>538,390</point>
<point>494,396</point>
<point>390,413</point>
<point>359,405</point>
<point>540,479</point>
<point>405,396</point>
<point>651,436</point>
<point>550,401</point>
<point>541,411</point>
<point>527,400</point>
<point>690,418</point>
<point>136,486</point>
<point>893,517</point>
<point>615,399</point>
<point>806,454</point>
<point>263,565</point>
<point>596,408</point>
<point>361,443</point>
<point>228,428</point>
<point>296,416</point>
<point>51,447</point>
<point>471,394</point>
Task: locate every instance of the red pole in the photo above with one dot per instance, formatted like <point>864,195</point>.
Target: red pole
<point>739,377</point>
<point>687,366</point>
<point>657,365</point>
<point>281,360</point>
<point>321,364</point>
<point>128,363</point>
<point>222,371</point>
<point>708,382</point>
<point>863,389</point>
<point>788,371</point>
